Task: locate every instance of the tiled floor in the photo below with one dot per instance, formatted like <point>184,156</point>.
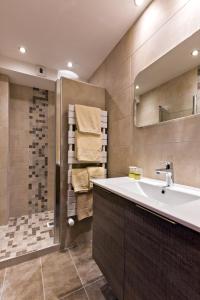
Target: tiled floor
<point>26,234</point>
<point>72,275</point>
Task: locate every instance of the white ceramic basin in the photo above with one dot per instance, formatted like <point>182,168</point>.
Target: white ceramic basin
<point>169,196</point>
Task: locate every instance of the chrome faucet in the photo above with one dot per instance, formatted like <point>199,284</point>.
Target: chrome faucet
<point>169,173</point>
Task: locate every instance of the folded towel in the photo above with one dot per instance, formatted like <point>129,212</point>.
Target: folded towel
<point>80,180</point>
<point>84,205</point>
<point>88,119</point>
<point>95,172</point>
<point>88,147</point>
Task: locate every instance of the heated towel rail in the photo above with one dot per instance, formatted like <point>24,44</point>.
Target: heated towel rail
<point>71,199</point>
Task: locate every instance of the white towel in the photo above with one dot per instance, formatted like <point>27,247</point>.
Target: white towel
<point>80,180</point>
<point>88,119</point>
<point>95,173</point>
<point>88,147</point>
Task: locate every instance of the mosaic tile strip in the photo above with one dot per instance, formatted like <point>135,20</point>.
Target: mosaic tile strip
<point>38,152</point>
<point>26,234</point>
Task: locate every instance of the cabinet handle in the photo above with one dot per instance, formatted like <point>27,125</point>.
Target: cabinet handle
<point>157,215</point>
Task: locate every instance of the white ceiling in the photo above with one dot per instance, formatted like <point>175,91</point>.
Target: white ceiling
<point>57,31</point>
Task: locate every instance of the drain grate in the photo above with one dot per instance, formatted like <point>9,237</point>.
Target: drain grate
<point>50,224</point>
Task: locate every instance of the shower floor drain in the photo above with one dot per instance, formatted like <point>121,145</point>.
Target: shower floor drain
<point>50,224</point>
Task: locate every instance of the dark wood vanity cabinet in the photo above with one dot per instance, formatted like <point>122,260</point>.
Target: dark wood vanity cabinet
<point>142,255</point>
<point>108,237</point>
<point>162,258</point>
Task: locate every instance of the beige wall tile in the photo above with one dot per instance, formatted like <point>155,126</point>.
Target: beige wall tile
<point>20,140</point>
<point>18,175</point>
<point>21,92</point>
<point>100,75</point>
<point>120,105</point>
<point>186,161</point>
<point>119,75</point>
<point>4,103</point>
<point>4,213</point>
<point>3,155</point>
<point>18,156</point>
<point>19,200</point>
<point>159,12</point>
<point>75,92</point>
<point>4,204</point>
<point>153,19</point>
<point>119,161</point>
<point>162,26</point>
<point>4,148</point>
<point>184,27</point>
<point>120,132</point>
<point>4,135</point>
<point>2,273</point>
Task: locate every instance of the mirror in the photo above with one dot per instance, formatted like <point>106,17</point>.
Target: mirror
<point>169,88</point>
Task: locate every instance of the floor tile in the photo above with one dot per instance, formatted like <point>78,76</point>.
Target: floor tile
<point>79,295</point>
<point>86,266</point>
<point>100,290</point>
<point>94,290</point>
<point>59,275</point>
<point>26,234</point>
<point>23,282</point>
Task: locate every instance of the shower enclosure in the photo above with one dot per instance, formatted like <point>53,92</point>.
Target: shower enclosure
<point>27,170</point>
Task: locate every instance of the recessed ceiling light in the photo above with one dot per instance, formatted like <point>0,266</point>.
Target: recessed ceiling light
<point>137,87</point>
<point>68,74</point>
<point>195,52</point>
<point>22,49</point>
<point>139,2</point>
<point>70,64</point>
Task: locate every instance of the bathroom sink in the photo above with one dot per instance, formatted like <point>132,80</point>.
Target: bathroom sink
<point>166,195</point>
<point>154,192</point>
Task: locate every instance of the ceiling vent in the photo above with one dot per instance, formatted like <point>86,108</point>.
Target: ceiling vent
<point>41,71</point>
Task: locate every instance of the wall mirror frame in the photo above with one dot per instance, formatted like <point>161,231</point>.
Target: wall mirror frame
<point>169,88</point>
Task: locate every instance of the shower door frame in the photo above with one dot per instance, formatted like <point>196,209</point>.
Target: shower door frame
<point>60,206</point>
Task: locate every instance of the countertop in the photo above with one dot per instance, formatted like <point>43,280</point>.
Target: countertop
<point>187,214</point>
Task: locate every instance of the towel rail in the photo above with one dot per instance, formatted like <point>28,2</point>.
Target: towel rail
<point>72,161</point>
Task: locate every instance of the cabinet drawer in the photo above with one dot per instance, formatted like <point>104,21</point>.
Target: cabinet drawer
<point>162,259</point>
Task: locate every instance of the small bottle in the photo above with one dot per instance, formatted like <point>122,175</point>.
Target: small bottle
<point>135,173</point>
<point>132,172</point>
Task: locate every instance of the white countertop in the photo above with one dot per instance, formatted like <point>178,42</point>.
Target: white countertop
<point>187,214</point>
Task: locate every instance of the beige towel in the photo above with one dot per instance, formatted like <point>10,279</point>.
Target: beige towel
<point>84,205</point>
<point>88,119</point>
<point>94,173</point>
<point>80,180</point>
<point>88,147</point>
